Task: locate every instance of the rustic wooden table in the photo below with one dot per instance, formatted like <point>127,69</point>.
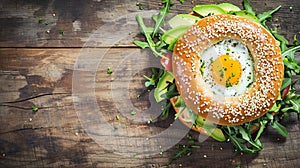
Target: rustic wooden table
<point>54,56</point>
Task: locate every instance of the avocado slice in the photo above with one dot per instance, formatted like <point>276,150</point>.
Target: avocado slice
<point>183,20</point>
<point>245,14</point>
<point>211,129</point>
<point>210,9</point>
<point>228,7</point>
<point>216,133</point>
<point>162,85</point>
<point>173,34</point>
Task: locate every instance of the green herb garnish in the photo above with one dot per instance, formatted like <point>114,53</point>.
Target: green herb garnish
<point>202,67</point>
<point>147,31</point>
<point>232,74</point>
<point>139,5</point>
<point>41,20</point>
<point>248,7</point>
<point>185,149</point>
<point>228,83</point>
<point>153,80</point>
<point>159,19</point>
<point>109,70</point>
<point>133,112</point>
<point>62,32</point>
<point>34,108</point>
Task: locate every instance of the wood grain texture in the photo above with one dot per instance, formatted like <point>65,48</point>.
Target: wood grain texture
<point>54,137</point>
<point>38,68</point>
<point>20,25</point>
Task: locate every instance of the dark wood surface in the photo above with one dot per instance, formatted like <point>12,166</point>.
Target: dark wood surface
<point>37,68</point>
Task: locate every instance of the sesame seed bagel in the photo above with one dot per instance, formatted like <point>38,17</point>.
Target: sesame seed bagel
<point>257,99</point>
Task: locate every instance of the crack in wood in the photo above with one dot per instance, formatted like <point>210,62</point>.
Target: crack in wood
<point>34,97</point>
<point>27,108</point>
<point>25,129</point>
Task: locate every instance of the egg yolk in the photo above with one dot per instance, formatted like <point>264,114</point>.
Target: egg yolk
<point>226,70</point>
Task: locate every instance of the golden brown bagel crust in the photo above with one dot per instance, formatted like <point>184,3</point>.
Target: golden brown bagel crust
<point>268,67</point>
<point>189,123</point>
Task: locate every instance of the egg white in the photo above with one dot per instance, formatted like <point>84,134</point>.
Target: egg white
<point>237,50</point>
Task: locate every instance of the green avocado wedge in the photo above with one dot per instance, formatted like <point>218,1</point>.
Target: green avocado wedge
<point>245,14</point>
<point>172,35</point>
<point>207,10</point>
<point>227,7</point>
<point>162,85</point>
<point>211,129</point>
<point>183,20</point>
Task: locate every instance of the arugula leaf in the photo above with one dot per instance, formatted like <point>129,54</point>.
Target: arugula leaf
<point>171,91</point>
<point>248,7</point>
<point>234,133</point>
<point>262,126</point>
<point>290,51</point>
<point>141,44</point>
<point>275,108</point>
<point>147,34</point>
<point>166,110</point>
<point>295,106</point>
<point>286,82</point>
<point>295,42</point>
<point>159,19</point>
<point>179,102</point>
<point>153,80</point>
<point>245,135</point>
<point>236,141</point>
<point>267,15</point>
<point>283,41</point>
<point>292,64</point>
<point>280,128</point>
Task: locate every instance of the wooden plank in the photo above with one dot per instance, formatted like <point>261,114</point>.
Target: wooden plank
<point>82,20</point>
<point>55,135</point>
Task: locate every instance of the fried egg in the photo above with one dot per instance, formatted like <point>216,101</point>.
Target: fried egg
<point>227,68</point>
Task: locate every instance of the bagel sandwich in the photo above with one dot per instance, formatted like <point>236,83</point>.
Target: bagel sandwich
<point>226,74</point>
